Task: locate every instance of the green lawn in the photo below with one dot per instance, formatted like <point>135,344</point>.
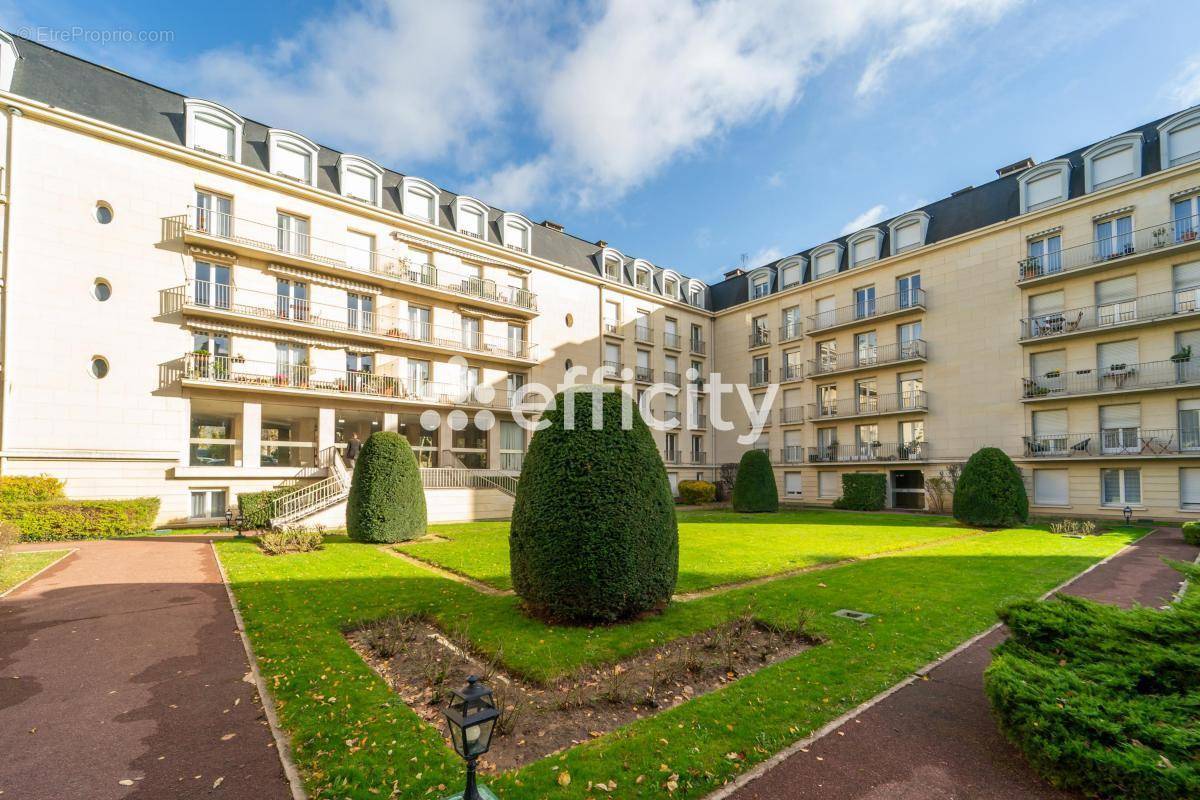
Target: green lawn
<point>353,738</point>
<point>766,544</point>
<point>16,567</point>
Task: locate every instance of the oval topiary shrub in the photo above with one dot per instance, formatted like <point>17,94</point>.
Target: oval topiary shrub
<point>754,487</point>
<point>990,491</point>
<point>593,536</point>
<point>387,501</point>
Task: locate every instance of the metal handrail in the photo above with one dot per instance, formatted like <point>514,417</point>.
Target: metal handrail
<point>698,346</point>
<point>760,337</point>
<point>1163,236</point>
<point>643,334</point>
<point>790,372</point>
<point>464,478</point>
<point>672,341</point>
<point>1113,378</point>
<point>1123,312</point>
<point>879,355</point>
<point>913,299</point>
<point>916,400</point>
<point>1123,442</point>
<point>790,331</point>
<point>312,498</point>
<point>789,415</point>
<point>869,451</point>
<point>759,378</point>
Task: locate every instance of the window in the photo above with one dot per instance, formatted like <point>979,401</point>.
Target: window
<point>908,291</point>
<point>612,261</point>
<point>1044,185</point>
<point>760,373</point>
<point>290,155</point>
<point>1114,237</point>
<point>419,373</point>
<point>1189,424</point>
<point>212,214</point>
<point>760,285</point>
<point>211,441</point>
<point>291,299</point>
<point>827,360</point>
<point>360,178</point>
<point>1117,357</point>
<point>1050,487</point>
<point>1113,161</point>
<point>1120,487</point>
<point>360,312</point>
<point>1179,138</point>
<point>470,216</point>
<point>829,484</point>
<point>1120,427</point>
<point>512,446</point>
<point>1045,372</point>
<point>612,316</point>
<point>793,450</point>
<point>792,486</point>
<point>825,259</point>
<point>791,323</point>
<point>472,333</point>
<point>418,199</point>
<point>419,322</point>
<point>612,360</point>
<point>866,348</point>
<point>291,364</point>
<point>360,251</point>
<point>101,289</point>
<point>912,435</point>
<point>1045,314</point>
<point>866,437</point>
<point>211,288</point>
<point>827,400</point>
<point>516,341</point>
<point>910,338</point>
<point>1189,488</point>
<point>911,386</point>
<point>697,338</point>
<point>103,213</point>
<point>1045,255</point>
<point>515,232</point>
<point>908,231</point>
<point>292,233</point>
<point>469,446</point>
<point>212,129</point>
<point>1186,218</point>
<point>1049,432</point>
<point>791,272</point>
<point>1116,300</point>
<point>643,276</point>
<point>865,246</point>
<point>99,367</point>
<point>208,503</point>
<point>864,302</point>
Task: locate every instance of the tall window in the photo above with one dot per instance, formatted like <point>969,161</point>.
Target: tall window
<point>359,368</point>
<point>866,348</point>
<point>1114,237</point>
<point>212,285</point>
<point>827,355</point>
<point>360,312</point>
<point>761,286</point>
<point>291,299</point>
<point>360,251</point>
<point>472,337</point>
<point>827,400</point>
<point>791,322</point>
<point>418,376</point>
<point>512,446</point>
<point>761,372</point>
<point>1045,255</point>
<point>293,234</point>
<point>212,441</point>
<point>612,316</point>
<point>1120,487</point>
<point>291,364</point>
<point>909,335</point>
<point>419,323</point>
<point>212,214</point>
<point>1189,424</point>
<point>864,302</point>
<point>1186,214</point>
<point>908,290</point>
<point>866,393</point>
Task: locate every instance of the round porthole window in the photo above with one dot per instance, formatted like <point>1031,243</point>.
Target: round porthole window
<point>99,367</point>
<point>101,289</point>
<point>104,213</point>
<point>569,364</point>
<point>570,320</point>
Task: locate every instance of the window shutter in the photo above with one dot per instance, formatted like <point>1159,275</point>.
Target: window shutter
<point>213,136</point>
<point>792,439</point>
<point>1048,303</point>
<point>1110,353</point>
<point>1116,290</point>
<point>291,162</point>
<point>1050,423</point>
<point>827,263</point>
<point>791,483</point>
<point>1189,487</point>
<point>1041,363</point>
<point>1122,416</point>
<point>472,221</point>
<point>793,398</point>
<point>359,184</point>
<point>829,484</point>
<point>1044,189</point>
<point>908,235</point>
<point>1050,487</point>
<point>824,305</point>
<point>1185,144</point>
<point>1112,167</point>
<point>1187,275</point>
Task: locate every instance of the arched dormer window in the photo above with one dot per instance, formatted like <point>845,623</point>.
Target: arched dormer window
<point>360,178</point>
<point>865,246</point>
<point>826,259</point>
<point>8,61</point>
<point>212,129</point>
<point>418,198</point>
<point>1179,138</point>
<point>696,291</point>
<point>470,216</point>
<point>516,232</point>
<point>1113,161</point>
<point>760,282</point>
<point>610,263</point>
<point>290,155</point>
<point>643,274</point>
<point>671,283</point>
<point>1045,185</point>
<point>791,271</point>
<point>908,231</point>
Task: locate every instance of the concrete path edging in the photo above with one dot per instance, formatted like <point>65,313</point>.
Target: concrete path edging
<point>19,584</point>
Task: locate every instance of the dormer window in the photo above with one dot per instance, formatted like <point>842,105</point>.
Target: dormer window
<point>1179,138</point>
<point>791,272</point>
<point>671,284</point>
<point>290,155</point>
<point>760,284</point>
<point>360,179</point>
<point>696,293</point>
<point>212,129</point>
<point>908,231</point>
<point>825,259</point>
<point>470,217</point>
<point>1114,161</point>
<point>610,263</point>
<point>418,199</point>
<point>1045,185</point>
<point>8,61</point>
<point>515,232</point>
<point>865,246</point>
<point>643,276</point>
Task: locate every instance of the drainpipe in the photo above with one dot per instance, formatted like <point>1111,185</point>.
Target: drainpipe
<point>5,244</point>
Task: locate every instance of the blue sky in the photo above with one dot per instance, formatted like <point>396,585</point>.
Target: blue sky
<point>687,134</point>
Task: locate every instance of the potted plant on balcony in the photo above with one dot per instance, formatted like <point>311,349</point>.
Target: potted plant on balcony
<point>1160,237</point>
<point>239,359</point>
<point>1184,355</point>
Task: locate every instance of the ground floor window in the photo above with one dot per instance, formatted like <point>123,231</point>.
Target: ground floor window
<point>1050,487</point>
<point>1120,487</point>
<point>791,484</point>
<point>674,481</point>
<point>208,503</point>
<point>424,442</point>
<point>829,484</point>
<point>212,440</point>
<point>1189,488</point>
<point>512,446</point>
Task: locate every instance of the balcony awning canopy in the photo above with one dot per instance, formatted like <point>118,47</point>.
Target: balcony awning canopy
<point>279,336</point>
<point>322,280</point>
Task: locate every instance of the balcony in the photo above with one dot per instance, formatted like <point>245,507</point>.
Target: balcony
<point>643,334</point>
<point>612,328</point>
<point>222,301</point>
<point>643,374</point>
<point>205,369</point>
<point>871,406</point>
<point>672,456</point>
<point>1167,237</point>
<point>672,378</point>
<point>791,415</point>
<point>791,331</point>
<point>869,358</point>
<point>791,454</point>
<point>1144,310</point>
<point>697,457</point>
<point>759,378</point>
<point>672,341</point>
<point>697,422</point>
<point>889,305</point>
<point>869,452</point>
<point>1114,443</point>
<point>1113,379</point>
<point>760,337</point>
<point>789,373</point>
<point>292,247</point>
<point>612,370</point>
<point>698,346</point>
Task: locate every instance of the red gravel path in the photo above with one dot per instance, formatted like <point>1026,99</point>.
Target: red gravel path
<point>122,675</point>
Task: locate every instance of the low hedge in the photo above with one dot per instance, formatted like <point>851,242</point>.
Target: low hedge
<point>1191,533</point>
<point>30,488</point>
<point>55,520</point>
<point>863,492</point>
<point>255,507</point>
<point>696,492</point>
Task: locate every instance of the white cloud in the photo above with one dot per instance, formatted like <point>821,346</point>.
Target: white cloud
<point>765,255</point>
<point>775,180</point>
<point>871,215</point>
<point>1184,90</point>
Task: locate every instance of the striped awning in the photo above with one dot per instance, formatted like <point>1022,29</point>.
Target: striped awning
<point>279,336</point>
<point>466,255</point>
<point>322,280</point>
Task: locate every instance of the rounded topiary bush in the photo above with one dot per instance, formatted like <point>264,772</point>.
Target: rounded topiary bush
<point>1191,533</point>
<point>697,492</point>
<point>387,501</point>
<point>754,487</point>
<point>990,491</point>
<point>593,536</point>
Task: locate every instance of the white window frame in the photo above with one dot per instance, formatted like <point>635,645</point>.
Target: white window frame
<point>510,223</point>
<point>815,255</point>
<point>277,139</point>
<point>419,187</point>
<point>696,292</point>
<point>463,204</point>
<point>911,218</point>
<point>787,491</point>
<point>1123,500</point>
<point>759,278</point>
<point>8,60</point>
<point>1181,121</point>
<point>365,167</point>
<point>208,492</point>
<point>642,267</point>
<point>872,236</point>
<point>671,283</point>
<point>1059,167</point>
<point>1110,147</point>
<point>797,263</point>
<point>194,110</point>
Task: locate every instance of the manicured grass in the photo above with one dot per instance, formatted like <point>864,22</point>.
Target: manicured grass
<point>16,567</point>
<point>716,547</point>
<point>353,738</point>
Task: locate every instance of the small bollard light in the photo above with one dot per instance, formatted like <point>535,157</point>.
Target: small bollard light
<point>471,717</point>
<point>1128,512</point>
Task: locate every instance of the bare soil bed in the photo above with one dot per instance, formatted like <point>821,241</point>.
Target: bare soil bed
<point>422,664</point>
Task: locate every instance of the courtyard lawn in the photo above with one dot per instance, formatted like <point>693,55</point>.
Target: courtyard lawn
<point>352,737</point>
<point>716,547</point>
<point>16,567</point>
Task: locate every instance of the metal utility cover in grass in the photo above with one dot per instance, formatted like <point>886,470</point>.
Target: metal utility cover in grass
<point>857,616</point>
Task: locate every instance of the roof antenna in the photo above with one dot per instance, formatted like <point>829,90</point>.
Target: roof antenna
<point>745,260</point>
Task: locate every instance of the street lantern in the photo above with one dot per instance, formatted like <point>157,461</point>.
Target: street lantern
<point>1128,512</point>
<point>234,520</point>
<point>471,717</point>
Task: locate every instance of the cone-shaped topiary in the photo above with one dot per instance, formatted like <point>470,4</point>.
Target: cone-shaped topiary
<point>593,534</point>
<point>990,491</point>
<point>387,501</point>
<point>754,487</point>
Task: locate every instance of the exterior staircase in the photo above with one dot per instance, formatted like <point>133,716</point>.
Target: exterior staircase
<point>315,497</point>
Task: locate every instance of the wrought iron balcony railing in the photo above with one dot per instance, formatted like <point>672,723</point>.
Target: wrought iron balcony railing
<point>672,341</point>
<point>790,415</point>
<point>643,374</point>
<point>792,454</point>
<point>697,457</point>
<point>1113,378</point>
<point>1147,308</point>
<point>671,456</point>
<point>672,378</point>
<point>643,334</point>
<point>880,355</point>
<point>759,378</point>
<point>698,346</point>
<point>1176,233</point>
<point>1135,442</point>
<point>869,451</point>
<point>612,369</point>
<point>871,405</point>
<point>867,309</point>
<point>790,372</point>
<point>790,331</point>
<point>760,337</point>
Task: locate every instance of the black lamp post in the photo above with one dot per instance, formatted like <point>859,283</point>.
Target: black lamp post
<point>1128,512</point>
<point>471,717</point>
<point>234,520</point>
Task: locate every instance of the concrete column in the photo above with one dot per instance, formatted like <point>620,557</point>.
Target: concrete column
<point>326,428</point>
<point>251,435</point>
<point>185,450</point>
<point>445,438</point>
<point>391,421</point>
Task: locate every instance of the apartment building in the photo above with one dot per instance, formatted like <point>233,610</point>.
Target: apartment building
<point>196,304</point>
